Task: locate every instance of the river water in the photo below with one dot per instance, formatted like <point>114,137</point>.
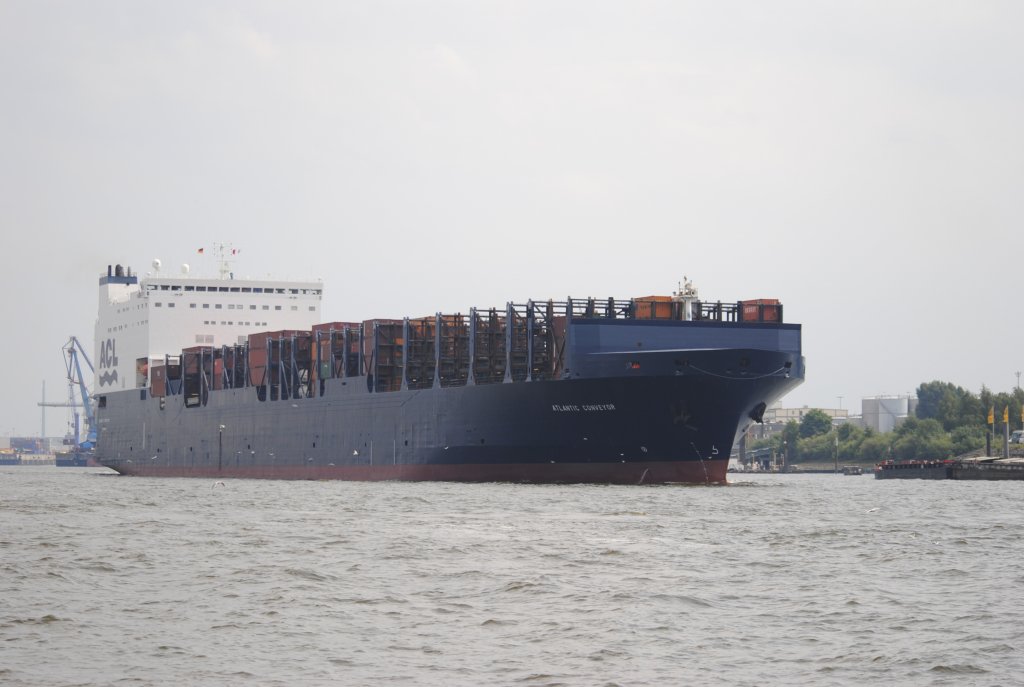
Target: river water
<point>774,579</point>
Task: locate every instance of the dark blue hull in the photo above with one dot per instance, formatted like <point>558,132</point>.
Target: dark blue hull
<point>650,416</point>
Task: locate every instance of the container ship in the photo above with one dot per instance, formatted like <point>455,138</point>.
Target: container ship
<point>238,378</point>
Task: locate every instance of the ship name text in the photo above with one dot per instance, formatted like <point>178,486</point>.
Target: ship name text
<point>582,408</point>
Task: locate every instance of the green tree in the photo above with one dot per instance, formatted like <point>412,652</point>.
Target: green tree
<point>815,422</point>
<point>819,448</point>
<point>966,439</point>
<point>849,445</point>
<point>848,431</point>
<point>986,402</point>
<point>918,439</point>
<point>1016,407</point>
<point>874,449</point>
<point>951,405</point>
<point>971,411</point>
<point>790,445</point>
<point>850,439</point>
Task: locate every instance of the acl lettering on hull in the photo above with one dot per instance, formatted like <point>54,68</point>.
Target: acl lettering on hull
<point>108,363</point>
<point>582,408</point>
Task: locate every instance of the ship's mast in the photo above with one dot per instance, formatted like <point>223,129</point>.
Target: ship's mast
<point>225,253</point>
<point>687,295</point>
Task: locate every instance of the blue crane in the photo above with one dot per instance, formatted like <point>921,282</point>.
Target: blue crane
<point>73,351</point>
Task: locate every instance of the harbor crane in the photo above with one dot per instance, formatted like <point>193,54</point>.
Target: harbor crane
<point>73,354</point>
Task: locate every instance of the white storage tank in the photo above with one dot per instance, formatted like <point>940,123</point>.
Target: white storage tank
<point>884,413</point>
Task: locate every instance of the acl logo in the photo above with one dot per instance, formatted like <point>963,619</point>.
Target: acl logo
<point>108,359</point>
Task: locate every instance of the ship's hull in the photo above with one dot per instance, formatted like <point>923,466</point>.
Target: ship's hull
<point>567,472</point>
<point>675,421</point>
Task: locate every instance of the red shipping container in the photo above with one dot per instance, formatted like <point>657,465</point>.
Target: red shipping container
<point>218,373</point>
<point>389,329</point>
<point>158,377</point>
<point>334,326</point>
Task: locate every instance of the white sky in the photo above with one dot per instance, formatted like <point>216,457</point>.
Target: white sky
<point>861,161</point>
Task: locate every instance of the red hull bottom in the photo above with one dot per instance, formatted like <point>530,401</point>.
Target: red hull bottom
<point>689,472</point>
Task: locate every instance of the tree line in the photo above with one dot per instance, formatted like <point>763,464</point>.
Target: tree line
<point>949,421</point>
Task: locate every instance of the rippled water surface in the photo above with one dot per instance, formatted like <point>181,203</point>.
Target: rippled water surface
<point>775,579</point>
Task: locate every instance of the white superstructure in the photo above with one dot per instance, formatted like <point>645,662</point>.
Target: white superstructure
<point>142,320</point>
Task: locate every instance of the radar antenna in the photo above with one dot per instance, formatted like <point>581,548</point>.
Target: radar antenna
<point>225,253</point>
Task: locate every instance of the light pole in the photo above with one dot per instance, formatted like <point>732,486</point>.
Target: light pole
<point>836,448</point>
<point>220,447</point>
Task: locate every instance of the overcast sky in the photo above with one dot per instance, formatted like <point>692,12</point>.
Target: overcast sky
<point>861,161</point>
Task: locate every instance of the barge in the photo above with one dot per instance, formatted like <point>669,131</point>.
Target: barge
<point>913,469</point>
<point>992,469</point>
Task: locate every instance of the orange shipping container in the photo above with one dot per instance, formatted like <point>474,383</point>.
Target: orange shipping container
<point>760,310</point>
<point>654,308</point>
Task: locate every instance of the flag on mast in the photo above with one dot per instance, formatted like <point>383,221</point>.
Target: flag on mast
<point>1006,415</point>
<point>992,415</point>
